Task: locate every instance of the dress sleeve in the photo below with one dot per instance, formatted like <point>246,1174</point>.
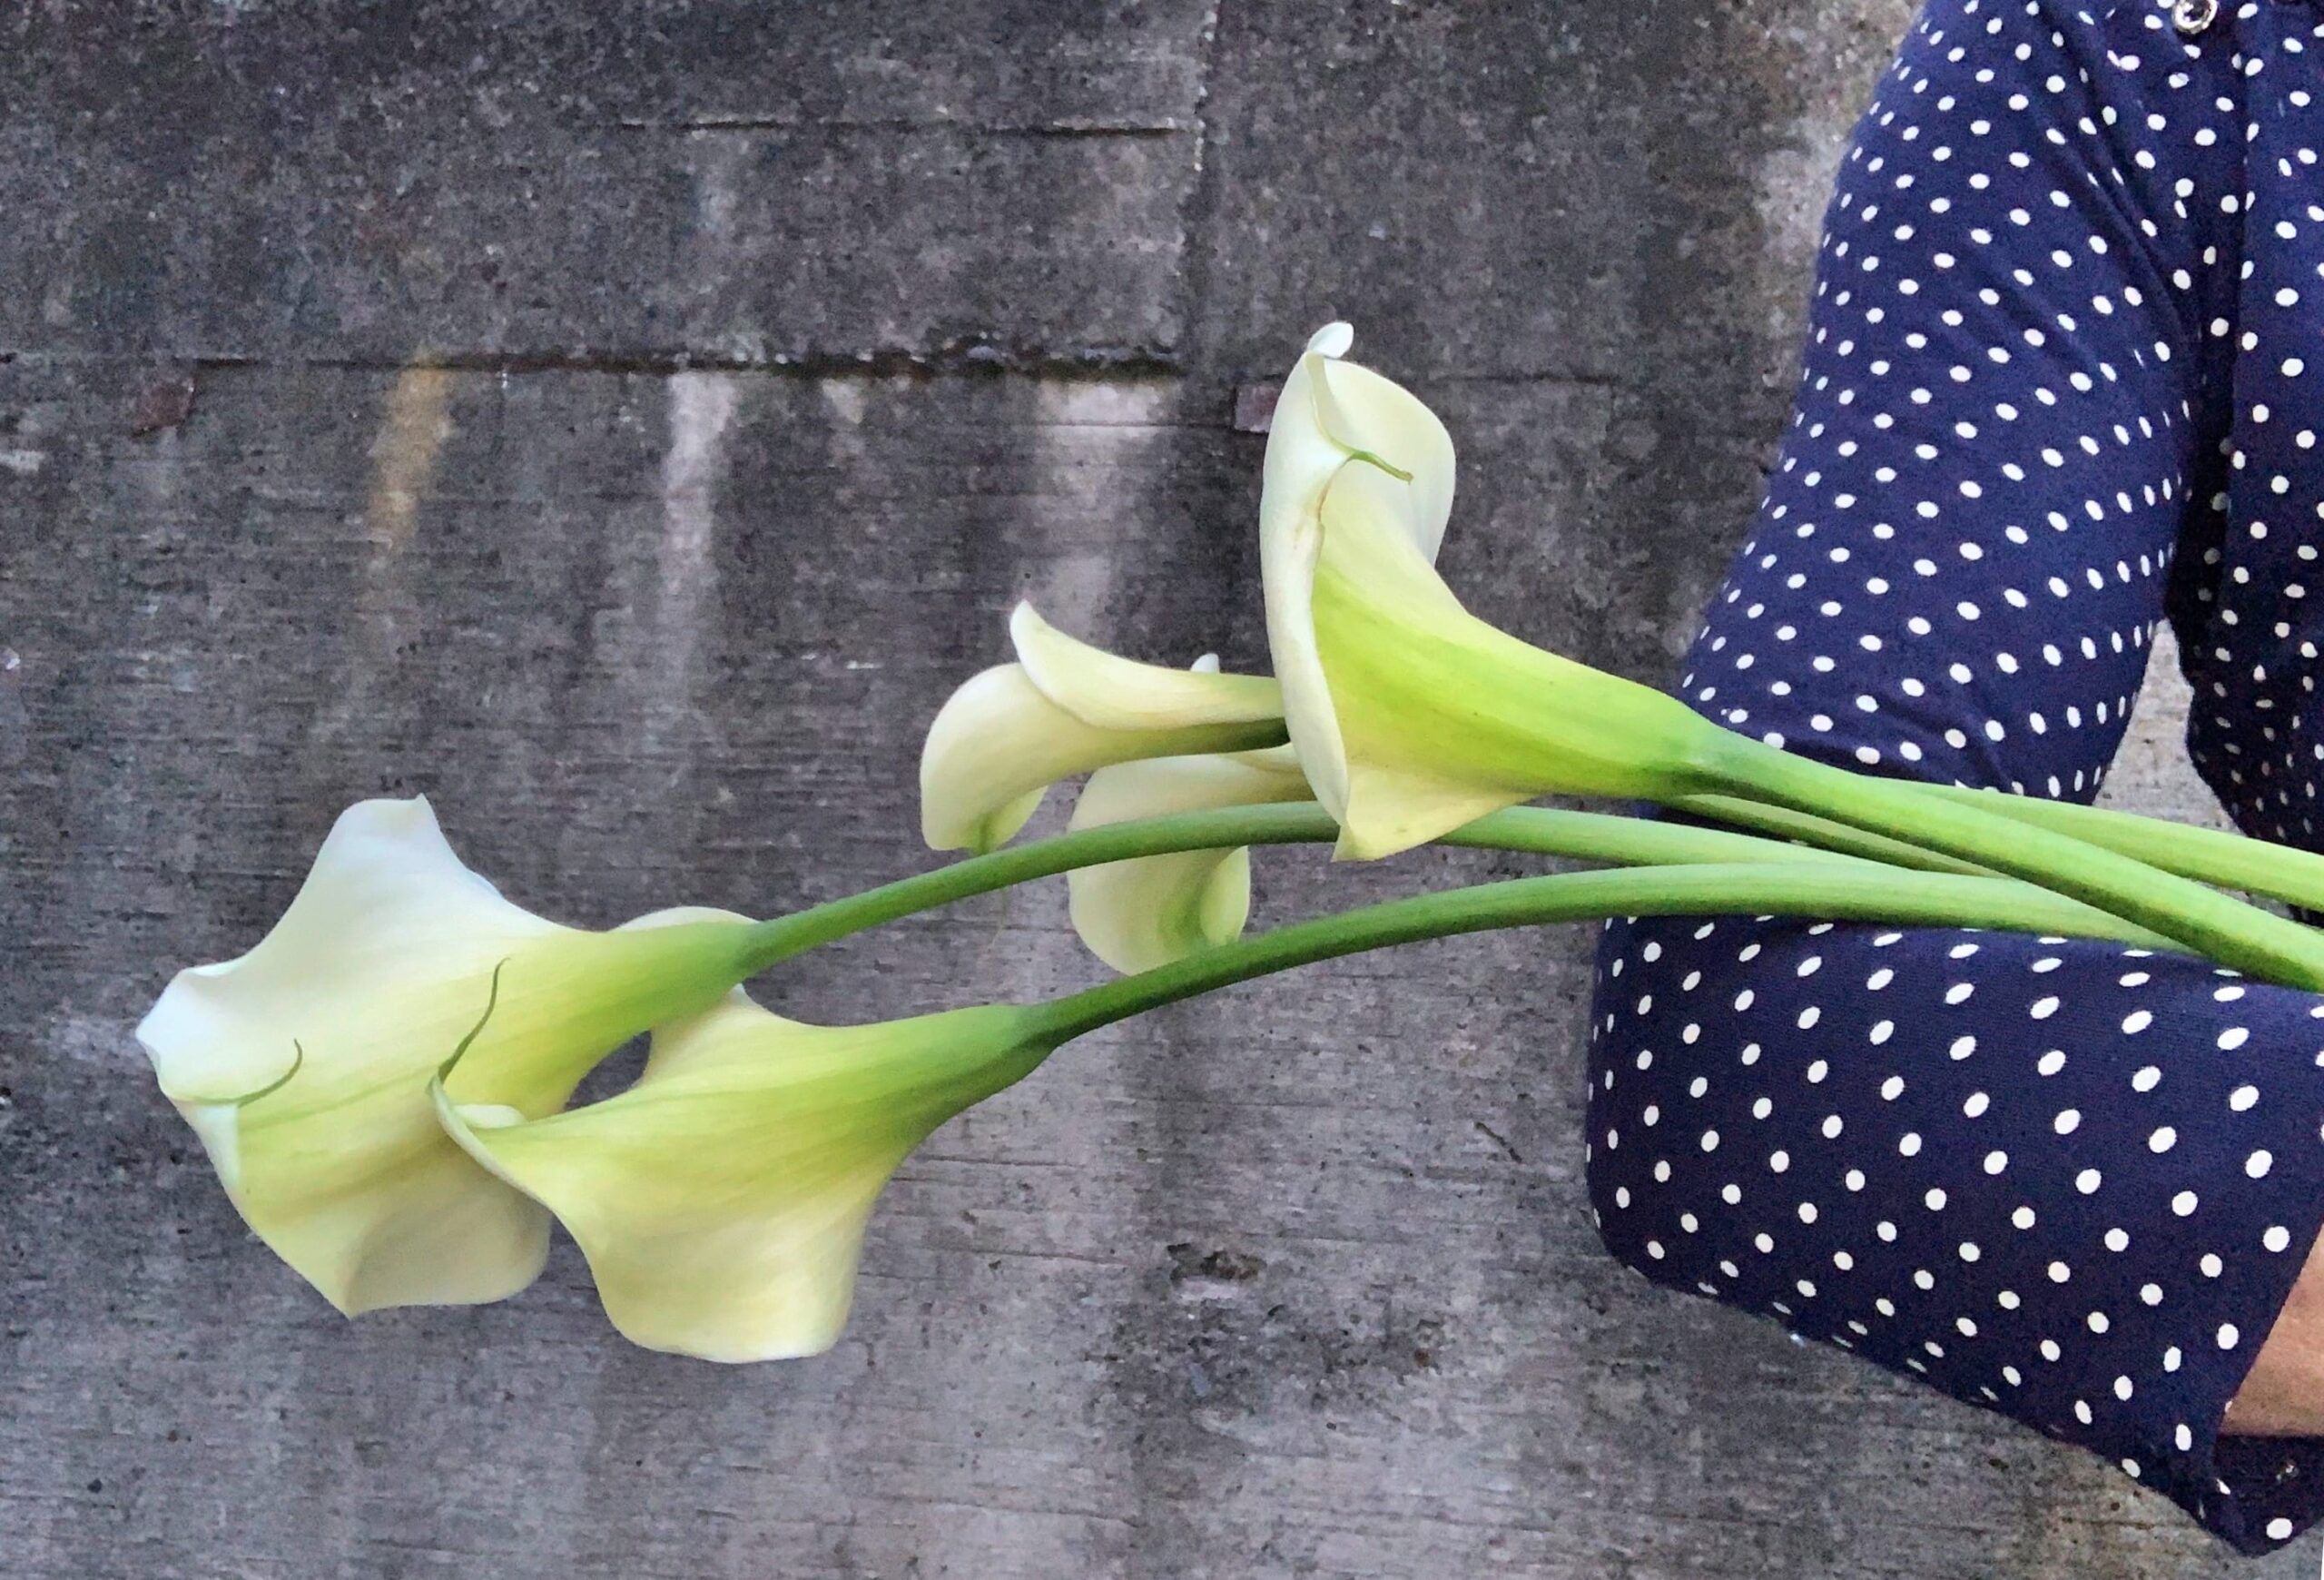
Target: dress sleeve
<point>2062,1180</point>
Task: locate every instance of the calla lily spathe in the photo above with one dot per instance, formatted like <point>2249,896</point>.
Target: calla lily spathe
<point>1063,709</point>
<point>304,1065</point>
<point>1149,911</point>
<point>1410,716</point>
<point>721,1199</point>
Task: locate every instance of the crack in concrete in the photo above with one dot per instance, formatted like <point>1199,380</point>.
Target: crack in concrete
<point>965,355</point>
<point>1197,210</point>
<point>1040,129</point>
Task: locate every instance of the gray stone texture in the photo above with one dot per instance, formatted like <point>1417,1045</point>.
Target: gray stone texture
<point>624,422</point>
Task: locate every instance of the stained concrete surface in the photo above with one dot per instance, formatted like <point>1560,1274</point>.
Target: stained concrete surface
<point>624,423</point>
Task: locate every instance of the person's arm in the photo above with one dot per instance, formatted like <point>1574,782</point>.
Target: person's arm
<point>2062,1180</point>
<point>2283,1396</point>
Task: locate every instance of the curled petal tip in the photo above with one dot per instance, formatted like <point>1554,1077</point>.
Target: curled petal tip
<point>491,1003</point>
<point>1109,692</point>
<point>1064,709</point>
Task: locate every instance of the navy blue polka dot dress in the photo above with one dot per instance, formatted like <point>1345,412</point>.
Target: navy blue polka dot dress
<point>2065,377</point>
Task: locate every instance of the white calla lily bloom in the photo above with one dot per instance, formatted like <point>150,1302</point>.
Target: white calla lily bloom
<point>1063,709</point>
<point>721,1199</point>
<point>304,1065</point>
<point>1322,431</point>
<point>1149,911</point>
<point>1410,717</point>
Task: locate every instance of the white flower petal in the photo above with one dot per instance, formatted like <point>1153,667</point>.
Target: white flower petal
<point>721,1199</point>
<point>1336,430</point>
<point>1113,692</point>
<point>1412,717</point>
<point>1001,740</point>
<point>1140,914</point>
<point>370,979</point>
<point>386,895</point>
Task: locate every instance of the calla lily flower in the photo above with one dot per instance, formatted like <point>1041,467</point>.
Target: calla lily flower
<point>304,1065</point>
<point>1063,709</point>
<point>721,1199</point>
<point>1149,911</point>
<point>1410,716</point>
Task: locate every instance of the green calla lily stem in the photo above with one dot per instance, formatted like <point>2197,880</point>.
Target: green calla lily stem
<point>2230,931</point>
<point>1629,843</point>
<point>2211,855</point>
<point>1823,890</point>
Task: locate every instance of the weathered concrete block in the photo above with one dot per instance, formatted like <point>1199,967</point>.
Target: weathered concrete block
<point>655,183</point>
<point>624,423</point>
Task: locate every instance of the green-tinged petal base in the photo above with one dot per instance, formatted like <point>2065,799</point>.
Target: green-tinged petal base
<point>721,1199</point>
<point>1446,718</point>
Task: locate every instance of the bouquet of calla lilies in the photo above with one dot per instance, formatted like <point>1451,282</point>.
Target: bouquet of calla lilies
<point>384,1083</point>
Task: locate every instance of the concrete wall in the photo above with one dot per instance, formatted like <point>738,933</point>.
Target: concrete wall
<point>624,423</point>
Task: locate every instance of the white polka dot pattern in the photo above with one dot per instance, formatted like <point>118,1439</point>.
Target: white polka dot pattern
<point>2056,386</point>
